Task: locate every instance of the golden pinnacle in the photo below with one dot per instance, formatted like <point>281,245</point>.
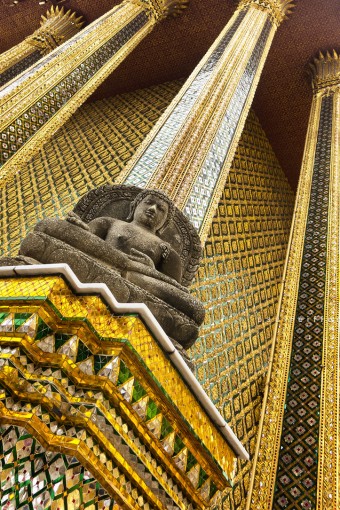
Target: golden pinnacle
<point>325,70</point>
<point>57,12</point>
<point>278,10</point>
<point>160,9</point>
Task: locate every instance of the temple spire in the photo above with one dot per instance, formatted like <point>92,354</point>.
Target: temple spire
<point>189,152</point>
<point>299,429</point>
<point>326,71</point>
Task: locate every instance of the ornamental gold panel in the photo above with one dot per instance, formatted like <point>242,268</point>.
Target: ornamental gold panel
<point>239,280</point>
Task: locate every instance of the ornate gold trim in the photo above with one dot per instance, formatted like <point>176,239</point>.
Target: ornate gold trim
<point>277,10</point>
<point>56,67</point>
<point>179,165</point>
<point>107,326</point>
<point>10,380</point>
<point>325,71</point>
<point>79,449</point>
<point>10,57</point>
<point>178,170</point>
<point>262,482</point>
<point>328,487</point>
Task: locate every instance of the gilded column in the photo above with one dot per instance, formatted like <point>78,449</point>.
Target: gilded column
<point>298,452</point>
<point>56,27</point>
<point>34,106</point>
<point>189,152</point>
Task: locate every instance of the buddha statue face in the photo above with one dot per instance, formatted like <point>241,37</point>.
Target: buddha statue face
<point>151,212</point>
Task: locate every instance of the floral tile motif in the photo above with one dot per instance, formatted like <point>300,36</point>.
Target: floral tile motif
<point>298,461</point>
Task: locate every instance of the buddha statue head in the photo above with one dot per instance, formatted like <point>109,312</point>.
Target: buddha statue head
<point>152,209</point>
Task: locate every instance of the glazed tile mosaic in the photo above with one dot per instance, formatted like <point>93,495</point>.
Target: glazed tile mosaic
<point>297,475</point>
<point>19,67</point>
<point>239,280</point>
<point>147,163</point>
<point>56,26</point>
<point>34,478</point>
<point>83,380</point>
<point>200,197</point>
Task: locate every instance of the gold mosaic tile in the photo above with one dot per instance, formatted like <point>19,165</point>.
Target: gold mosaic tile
<point>132,329</point>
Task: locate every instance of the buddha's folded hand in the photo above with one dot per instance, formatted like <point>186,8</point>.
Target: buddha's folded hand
<point>142,258</point>
<point>76,220</point>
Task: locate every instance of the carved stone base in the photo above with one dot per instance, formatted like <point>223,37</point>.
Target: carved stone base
<point>19,260</point>
<point>49,250</point>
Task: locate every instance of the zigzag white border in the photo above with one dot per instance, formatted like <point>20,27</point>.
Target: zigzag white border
<point>155,328</point>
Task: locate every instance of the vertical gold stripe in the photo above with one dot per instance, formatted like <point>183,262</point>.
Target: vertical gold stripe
<point>261,487</point>
<point>328,495</point>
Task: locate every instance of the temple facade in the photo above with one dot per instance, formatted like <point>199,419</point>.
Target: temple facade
<point>115,393</point>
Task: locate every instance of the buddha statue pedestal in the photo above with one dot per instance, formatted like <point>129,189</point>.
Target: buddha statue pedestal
<point>137,243</point>
<point>100,401</point>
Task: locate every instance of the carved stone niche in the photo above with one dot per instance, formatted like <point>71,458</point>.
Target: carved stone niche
<point>102,241</point>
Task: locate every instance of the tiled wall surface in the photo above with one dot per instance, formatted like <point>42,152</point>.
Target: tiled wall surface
<point>240,274</point>
<point>89,151</point>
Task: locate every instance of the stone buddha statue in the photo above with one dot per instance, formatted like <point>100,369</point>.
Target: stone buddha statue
<point>138,243</point>
<point>137,236</point>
